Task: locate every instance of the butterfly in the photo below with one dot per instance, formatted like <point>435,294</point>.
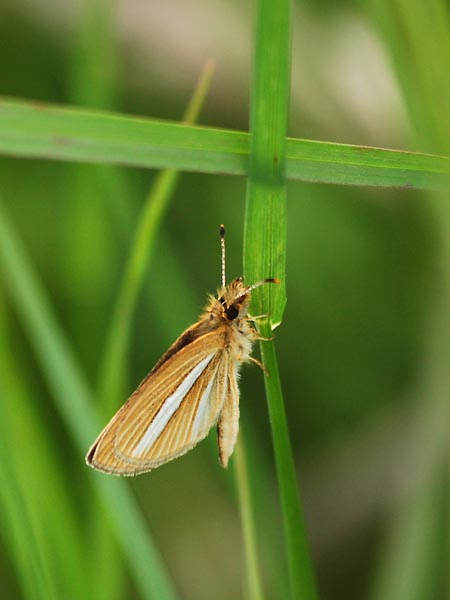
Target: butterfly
<point>190,389</point>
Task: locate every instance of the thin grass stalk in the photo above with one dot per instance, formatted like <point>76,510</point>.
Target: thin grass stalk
<point>265,255</point>
<point>113,370</point>
<point>270,542</point>
<point>299,560</point>
<point>253,572</point>
<point>91,191</point>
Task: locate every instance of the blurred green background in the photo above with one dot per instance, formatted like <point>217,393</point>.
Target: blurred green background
<point>364,377</point>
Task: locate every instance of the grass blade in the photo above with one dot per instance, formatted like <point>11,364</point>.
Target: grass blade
<point>415,548</point>
<point>34,573</point>
<point>299,560</point>
<point>73,401</point>
<point>112,371</point>
<point>415,554</point>
<point>38,130</point>
<point>254,584</point>
<point>35,581</point>
<point>265,254</point>
<point>92,191</point>
<point>36,479</point>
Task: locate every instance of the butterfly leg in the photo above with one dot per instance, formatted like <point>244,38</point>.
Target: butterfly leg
<point>261,338</point>
<point>259,363</point>
<point>256,318</point>
<point>258,337</point>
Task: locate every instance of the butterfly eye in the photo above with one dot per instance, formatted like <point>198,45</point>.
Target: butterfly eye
<point>232,312</point>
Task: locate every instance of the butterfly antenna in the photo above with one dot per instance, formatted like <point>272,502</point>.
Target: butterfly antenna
<point>249,288</point>
<point>222,246</point>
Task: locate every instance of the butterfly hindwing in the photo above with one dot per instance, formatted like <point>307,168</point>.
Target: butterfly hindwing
<point>228,425</point>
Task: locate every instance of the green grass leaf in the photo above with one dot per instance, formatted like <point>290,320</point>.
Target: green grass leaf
<point>265,256</point>
<point>253,572</point>
<point>415,544</point>
<point>73,400</point>
<point>38,130</point>
<point>36,485</point>
<point>32,572</point>
<point>91,193</point>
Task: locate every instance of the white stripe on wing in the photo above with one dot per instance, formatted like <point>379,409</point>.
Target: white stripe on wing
<point>169,407</point>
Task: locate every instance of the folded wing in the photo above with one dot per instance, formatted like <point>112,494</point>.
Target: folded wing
<point>172,410</point>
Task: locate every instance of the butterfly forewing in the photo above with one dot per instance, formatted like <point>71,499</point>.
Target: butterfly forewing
<point>173,409</point>
<point>141,429</point>
<point>175,428</point>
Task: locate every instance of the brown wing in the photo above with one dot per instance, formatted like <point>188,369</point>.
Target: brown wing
<point>172,409</point>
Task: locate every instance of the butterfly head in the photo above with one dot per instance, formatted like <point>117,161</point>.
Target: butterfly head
<point>233,299</point>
